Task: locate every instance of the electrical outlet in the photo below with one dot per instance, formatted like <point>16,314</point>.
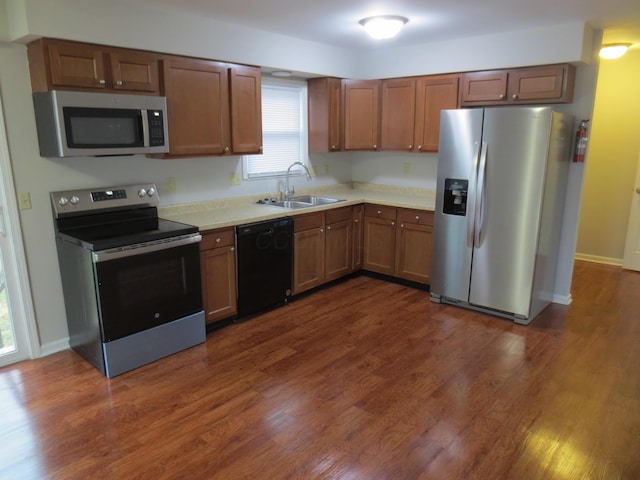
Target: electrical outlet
<point>171,184</point>
<point>24,200</point>
<point>236,178</point>
<point>406,168</point>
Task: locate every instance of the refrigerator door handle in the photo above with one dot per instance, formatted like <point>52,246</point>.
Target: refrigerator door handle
<point>479,204</point>
<point>472,206</point>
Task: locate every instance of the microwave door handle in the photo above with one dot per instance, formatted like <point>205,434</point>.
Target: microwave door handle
<point>145,127</point>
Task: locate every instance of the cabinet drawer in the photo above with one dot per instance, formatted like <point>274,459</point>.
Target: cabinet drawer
<point>418,217</point>
<point>307,222</point>
<point>338,215</point>
<point>217,239</point>
<point>380,211</point>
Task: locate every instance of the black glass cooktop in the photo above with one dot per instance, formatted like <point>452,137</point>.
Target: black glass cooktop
<point>103,231</point>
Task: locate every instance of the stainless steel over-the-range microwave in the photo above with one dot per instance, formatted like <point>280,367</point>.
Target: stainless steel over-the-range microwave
<point>72,124</point>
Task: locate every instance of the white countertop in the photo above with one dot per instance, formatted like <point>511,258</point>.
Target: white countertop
<point>222,213</point>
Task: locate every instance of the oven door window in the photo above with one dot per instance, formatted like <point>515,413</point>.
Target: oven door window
<point>142,291</point>
<point>103,127</point>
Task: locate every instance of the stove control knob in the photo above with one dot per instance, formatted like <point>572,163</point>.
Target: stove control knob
<point>63,201</point>
<point>74,200</point>
<point>151,192</point>
<point>142,192</point>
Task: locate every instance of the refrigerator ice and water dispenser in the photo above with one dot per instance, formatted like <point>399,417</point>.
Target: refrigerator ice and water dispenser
<point>455,196</point>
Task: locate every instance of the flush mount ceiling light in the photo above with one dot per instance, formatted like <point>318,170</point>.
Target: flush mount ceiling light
<point>613,50</point>
<point>383,26</point>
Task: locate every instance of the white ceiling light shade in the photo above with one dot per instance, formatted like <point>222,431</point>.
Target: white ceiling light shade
<point>613,50</point>
<point>383,26</point>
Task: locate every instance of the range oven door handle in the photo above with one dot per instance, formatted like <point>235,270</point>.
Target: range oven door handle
<point>142,248</point>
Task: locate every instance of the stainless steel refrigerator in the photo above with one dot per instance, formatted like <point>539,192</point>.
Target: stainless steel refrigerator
<point>502,174</point>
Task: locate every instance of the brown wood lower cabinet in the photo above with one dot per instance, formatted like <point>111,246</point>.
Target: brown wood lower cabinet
<point>218,270</point>
<point>398,242</point>
<point>323,246</point>
<point>414,240</point>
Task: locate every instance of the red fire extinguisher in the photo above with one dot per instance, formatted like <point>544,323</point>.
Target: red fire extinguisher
<point>582,137</point>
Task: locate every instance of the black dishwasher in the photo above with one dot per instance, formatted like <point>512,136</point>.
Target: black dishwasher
<point>264,265</point>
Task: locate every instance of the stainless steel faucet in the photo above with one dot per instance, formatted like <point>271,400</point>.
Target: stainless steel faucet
<point>288,192</point>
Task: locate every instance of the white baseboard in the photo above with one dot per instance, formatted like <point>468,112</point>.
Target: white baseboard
<point>562,299</point>
<point>597,259</point>
<point>54,347</point>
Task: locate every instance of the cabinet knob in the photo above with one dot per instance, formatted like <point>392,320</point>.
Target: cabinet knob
<point>417,217</point>
<point>501,97</point>
<point>321,230</point>
<point>393,224</point>
<point>379,212</point>
<point>514,96</point>
<point>410,147</point>
<point>233,249</point>
<point>226,149</point>
<point>402,225</point>
<point>260,148</point>
<point>329,227</point>
<point>333,147</point>
<point>119,82</point>
<point>101,82</point>
<point>356,220</point>
<point>375,147</point>
<point>218,240</point>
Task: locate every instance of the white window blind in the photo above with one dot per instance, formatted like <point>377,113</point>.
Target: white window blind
<point>283,131</point>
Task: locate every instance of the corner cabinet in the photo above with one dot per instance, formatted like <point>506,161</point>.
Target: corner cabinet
<point>218,271</point>
<point>411,111</point>
<point>64,65</point>
<point>398,242</point>
<point>518,86</point>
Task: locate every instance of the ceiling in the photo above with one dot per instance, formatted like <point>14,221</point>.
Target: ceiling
<point>335,22</point>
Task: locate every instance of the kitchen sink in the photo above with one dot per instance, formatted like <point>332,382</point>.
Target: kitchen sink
<point>316,200</point>
<point>304,201</point>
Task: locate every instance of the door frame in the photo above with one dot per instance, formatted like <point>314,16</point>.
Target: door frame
<point>631,258</point>
<point>19,295</point>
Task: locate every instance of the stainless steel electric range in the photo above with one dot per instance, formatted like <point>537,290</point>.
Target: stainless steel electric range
<point>131,280</point>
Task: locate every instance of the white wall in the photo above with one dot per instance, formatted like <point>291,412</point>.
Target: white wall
<point>201,178</point>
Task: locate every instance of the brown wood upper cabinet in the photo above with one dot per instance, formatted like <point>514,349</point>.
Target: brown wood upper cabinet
<point>63,65</point>
<point>529,85</point>
<point>325,114</point>
<point>361,114</point>
<point>411,111</point>
<point>214,108</point>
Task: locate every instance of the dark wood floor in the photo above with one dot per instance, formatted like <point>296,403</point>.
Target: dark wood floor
<point>366,380</point>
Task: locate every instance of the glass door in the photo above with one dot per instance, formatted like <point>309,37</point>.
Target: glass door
<point>18,340</point>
